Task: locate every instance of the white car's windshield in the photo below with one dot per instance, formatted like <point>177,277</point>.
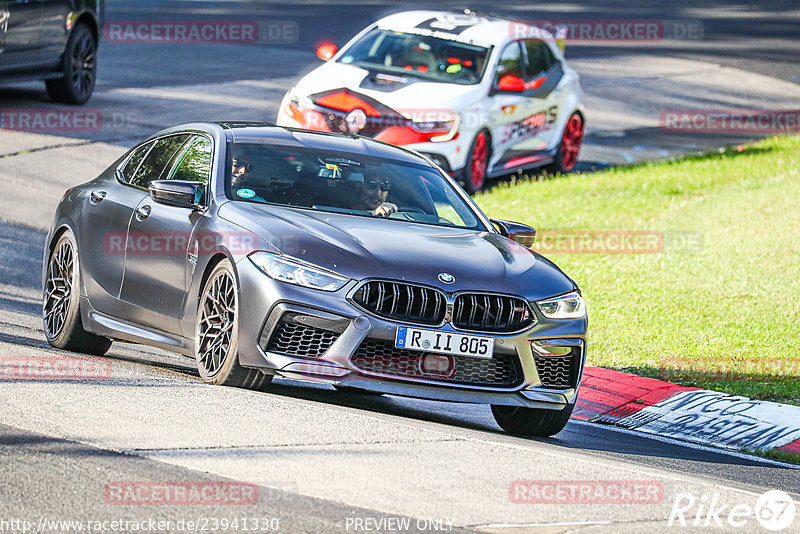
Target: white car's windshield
<point>345,183</point>
<point>441,60</point>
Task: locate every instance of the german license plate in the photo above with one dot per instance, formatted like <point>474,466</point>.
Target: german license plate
<point>443,342</point>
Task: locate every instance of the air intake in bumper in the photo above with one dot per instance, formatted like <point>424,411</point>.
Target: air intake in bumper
<point>558,362</point>
<point>293,336</point>
<point>383,358</point>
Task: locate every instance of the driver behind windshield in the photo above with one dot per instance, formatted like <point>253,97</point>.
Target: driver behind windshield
<point>242,180</point>
<point>370,192</point>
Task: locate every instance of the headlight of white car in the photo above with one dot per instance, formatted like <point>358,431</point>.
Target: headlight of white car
<point>301,102</point>
<point>294,272</point>
<point>569,306</point>
<point>437,122</point>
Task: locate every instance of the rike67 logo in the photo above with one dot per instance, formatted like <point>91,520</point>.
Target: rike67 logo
<point>774,510</point>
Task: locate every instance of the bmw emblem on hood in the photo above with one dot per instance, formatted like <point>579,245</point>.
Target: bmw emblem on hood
<point>447,278</point>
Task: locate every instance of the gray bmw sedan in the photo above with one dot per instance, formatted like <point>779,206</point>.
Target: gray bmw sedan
<point>263,251</point>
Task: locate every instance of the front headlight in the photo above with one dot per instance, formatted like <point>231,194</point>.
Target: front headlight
<point>444,124</point>
<point>299,101</point>
<point>569,306</point>
<point>295,272</point>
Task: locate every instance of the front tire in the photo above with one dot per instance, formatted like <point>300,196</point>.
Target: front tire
<point>217,339</point>
<point>523,421</point>
<point>478,162</point>
<point>61,313</point>
<point>571,141</point>
<point>79,69</point>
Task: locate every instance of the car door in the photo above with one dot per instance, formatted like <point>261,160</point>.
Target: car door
<point>154,286</point>
<point>53,34</point>
<point>104,222</point>
<point>508,110</point>
<point>23,20</point>
<point>544,73</point>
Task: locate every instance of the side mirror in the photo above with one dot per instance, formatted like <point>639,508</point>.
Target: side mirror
<point>521,233</point>
<point>511,83</point>
<point>179,193</point>
<point>326,51</point>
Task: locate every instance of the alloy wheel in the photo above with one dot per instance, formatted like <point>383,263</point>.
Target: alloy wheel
<point>479,157</point>
<point>217,322</point>
<point>83,64</point>
<point>58,288</point>
<point>571,142</point>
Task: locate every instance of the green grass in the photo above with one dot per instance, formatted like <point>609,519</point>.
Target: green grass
<point>723,316</point>
<point>782,456</point>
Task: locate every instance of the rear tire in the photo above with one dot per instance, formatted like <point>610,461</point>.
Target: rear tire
<point>79,69</point>
<point>61,311</point>
<point>570,146</point>
<point>478,162</point>
<point>523,421</point>
<point>217,338</point>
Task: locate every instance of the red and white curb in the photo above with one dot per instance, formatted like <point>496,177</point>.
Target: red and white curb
<point>684,413</point>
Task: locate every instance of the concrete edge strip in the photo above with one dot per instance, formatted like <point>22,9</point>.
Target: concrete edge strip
<point>688,414</point>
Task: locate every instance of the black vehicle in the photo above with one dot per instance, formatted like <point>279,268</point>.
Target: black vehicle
<point>52,40</point>
<point>262,251</point>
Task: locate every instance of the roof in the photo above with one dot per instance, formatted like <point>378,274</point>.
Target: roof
<point>458,26</point>
<point>268,133</point>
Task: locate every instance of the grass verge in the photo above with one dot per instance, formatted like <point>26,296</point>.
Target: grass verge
<point>713,299</point>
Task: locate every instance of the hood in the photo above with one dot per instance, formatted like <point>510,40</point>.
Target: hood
<point>364,247</point>
<point>400,96</point>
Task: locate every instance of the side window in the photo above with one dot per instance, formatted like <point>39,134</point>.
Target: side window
<point>194,161</point>
<point>510,62</point>
<point>133,162</point>
<point>540,58</point>
<point>156,161</point>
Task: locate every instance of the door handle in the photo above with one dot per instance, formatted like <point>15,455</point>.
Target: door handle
<point>143,213</point>
<point>97,196</point>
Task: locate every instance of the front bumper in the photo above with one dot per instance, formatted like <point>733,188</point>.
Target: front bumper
<point>327,330</point>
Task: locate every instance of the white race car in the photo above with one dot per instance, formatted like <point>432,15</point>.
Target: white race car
<point>480,96</point>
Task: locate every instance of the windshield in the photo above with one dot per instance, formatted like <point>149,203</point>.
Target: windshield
<point>441,60</point>
<point>344,183</point>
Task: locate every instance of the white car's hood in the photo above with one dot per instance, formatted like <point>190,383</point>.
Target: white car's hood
<point>413,96</point>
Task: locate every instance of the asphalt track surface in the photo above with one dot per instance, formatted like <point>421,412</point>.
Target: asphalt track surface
<point>323,459</point>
